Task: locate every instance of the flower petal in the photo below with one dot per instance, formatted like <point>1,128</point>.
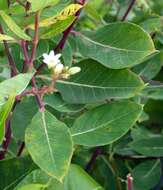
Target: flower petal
<point>58,55</point>
<point>52,54</point>
<point>46,61</point>
<point>45,55</point>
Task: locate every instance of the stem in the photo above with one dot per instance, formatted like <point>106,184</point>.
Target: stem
<point>30,61</point>
<point>115,172</point>
<point>128,10</point>
<point>8,2</point>
<point>129,182</point>
<point>66,33</point>
<point>91,162</point>
<point>35,41</point>
<point>10,59</point>
<point>38,97</point>
<point>26,61</point>
<point>7,140</point>
<point>21,149</point>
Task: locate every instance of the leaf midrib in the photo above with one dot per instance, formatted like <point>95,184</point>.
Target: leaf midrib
<point>99,87</point>
<point>101,126</point>
<point>47,138</point>
<point>115,48</point>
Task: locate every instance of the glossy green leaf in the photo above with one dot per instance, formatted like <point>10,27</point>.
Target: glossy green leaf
<point>150,68</point>
<point>146,175</point>
<point>14,85</point>
<point>152,24</point>
<point>67,54</point>
<point>149,147</point>
<point>50,145</point>
<point>117,45</point>
<point>105,124</point>
<point>14,170</point>
<point>37,5</point>
<point>58,27</point>
<point>55,101</point>
<point>97,83</point>
<point>4,112</point>
<point>154,92</point>
<point>13,26</point>
<point>3,4</point>
<point>32,187</point>
<point>77,179</point>
<point>22,117</point>
<point>140,132</point>
<point>40,179</point>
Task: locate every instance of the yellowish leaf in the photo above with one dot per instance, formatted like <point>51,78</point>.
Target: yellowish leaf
<point>6,37</point>
<point>70,10</point>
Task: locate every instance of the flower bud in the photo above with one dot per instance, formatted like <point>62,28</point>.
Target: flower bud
<point>58,68</point>
<point>74,70</point>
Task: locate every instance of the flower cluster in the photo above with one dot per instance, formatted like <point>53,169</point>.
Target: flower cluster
<point>53,62</point>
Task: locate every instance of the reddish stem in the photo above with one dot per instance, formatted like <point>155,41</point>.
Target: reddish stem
<point>94,156</point>
<point>35,41</point>
<point>38,97</point>
<point>7,140</point>
<point>10,59</point>
<point>129,182</point>
<point>128,10</point>
<point>66,33</point>
<point>26,58</point>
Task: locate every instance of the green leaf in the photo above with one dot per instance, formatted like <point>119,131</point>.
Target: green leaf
<point>14,85</point>
<point>117,45</point>
<point>3,4</point>
<point>14,170</point>
<point>14,27</point>
<point>6,37</point>
<point>55,101</point>
<point>67,54</point>
<point>32,187</point>
<point>150,68</point>
<point>97,83</point>
<point>22,117</point>
<point>37,5</point>
<point>38,177</point>
<point>146,175</point>
<point>49,142</point>
<point>58,27</point>
<point>76,176</point>
<point>140,132</point>
<point>152,24</point>
<point>105,124</point>
<point>78,179</point>
<point>4,112</point>
<point>149,147</point>
<point>43,47</point>
<point>154,92</point>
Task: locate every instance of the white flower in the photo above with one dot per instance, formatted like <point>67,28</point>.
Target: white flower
<point>51,59</point>
<point>74,70</point>
<point>58,68</point>
<point>53,62</point>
